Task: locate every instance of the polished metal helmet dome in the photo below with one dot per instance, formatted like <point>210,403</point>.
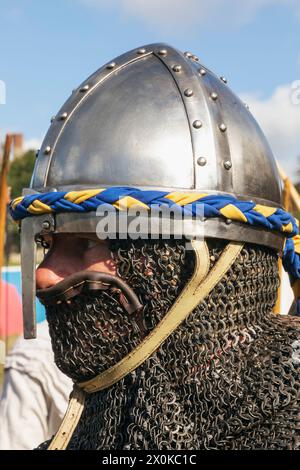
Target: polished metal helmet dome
<point>155,117</point>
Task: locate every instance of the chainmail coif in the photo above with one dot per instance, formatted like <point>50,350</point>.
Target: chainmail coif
<point>227,378</point>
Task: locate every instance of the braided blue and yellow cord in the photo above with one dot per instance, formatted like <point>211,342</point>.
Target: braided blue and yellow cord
<point>123,198</point>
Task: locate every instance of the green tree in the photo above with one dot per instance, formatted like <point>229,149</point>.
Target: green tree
<point>20,173</point>
<point>19,176</point>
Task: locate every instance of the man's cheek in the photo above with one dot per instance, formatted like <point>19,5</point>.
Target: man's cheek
<point>99,261</point>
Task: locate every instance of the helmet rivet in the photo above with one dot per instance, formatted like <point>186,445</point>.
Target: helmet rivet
<point>111,65</point>
<point>201,161</point>
<point>47,150</point>
<point>214,96</point>
<point>141,51</point>
<point>84,88</point>
<point>188,92</point>
<point>177,68</point>
<point>197,124</point>
<point>37,153</point>
<point>202,72</point>
<point>194,57</point>
<point>223,79</point>
<point>188,55</point>
<point>52,118</point>
<point>162,52</point>
<point>227,165</point>
<point>228,221</point>
<point>63,116</point>
<point>46,225</point>
<point>222,127</point>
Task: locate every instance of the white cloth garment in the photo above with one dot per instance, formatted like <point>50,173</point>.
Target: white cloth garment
<point>35,393</point>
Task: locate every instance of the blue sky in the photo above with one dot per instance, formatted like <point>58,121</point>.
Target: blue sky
<point>48,47</point>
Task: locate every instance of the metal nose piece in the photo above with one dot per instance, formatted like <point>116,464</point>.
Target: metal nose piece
<point>30,228</point>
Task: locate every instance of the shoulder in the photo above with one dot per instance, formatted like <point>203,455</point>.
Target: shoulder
<point>29,353</point>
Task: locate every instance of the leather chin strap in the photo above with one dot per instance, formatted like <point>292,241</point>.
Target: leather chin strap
<point>90,281</point>
<point>199,286</point>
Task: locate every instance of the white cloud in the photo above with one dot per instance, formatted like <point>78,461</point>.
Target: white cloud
<point>32,144</point>
<point>279,117</point>
<point>179,13</point>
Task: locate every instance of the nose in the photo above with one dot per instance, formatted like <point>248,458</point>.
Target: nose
<point>46,277</point>
<point>69,255</point>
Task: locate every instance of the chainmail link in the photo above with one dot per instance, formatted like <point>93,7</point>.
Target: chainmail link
<point>227,378</point>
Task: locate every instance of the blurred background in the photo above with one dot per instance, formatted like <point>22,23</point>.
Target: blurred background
<point>48,48</point>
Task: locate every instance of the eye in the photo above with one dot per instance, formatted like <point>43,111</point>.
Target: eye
<point>42,242</point>
<point>43,246</point>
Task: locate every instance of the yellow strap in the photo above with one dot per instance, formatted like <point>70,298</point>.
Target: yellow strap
<point>70,421</point>
<point>194,292</point>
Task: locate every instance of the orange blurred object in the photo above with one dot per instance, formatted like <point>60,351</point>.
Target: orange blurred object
<point>11,321</point>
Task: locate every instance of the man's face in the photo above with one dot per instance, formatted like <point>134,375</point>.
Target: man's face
<point>92,330</point>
